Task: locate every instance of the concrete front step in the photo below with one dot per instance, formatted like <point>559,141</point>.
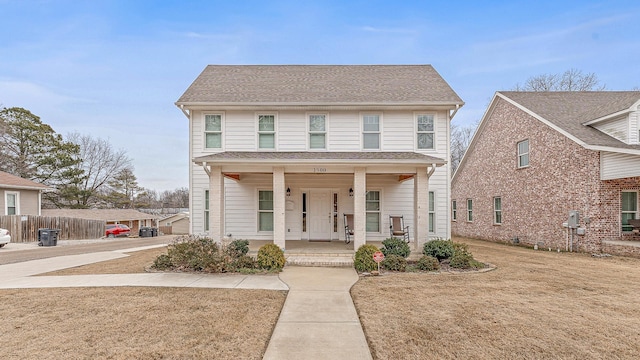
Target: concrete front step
<point>327,260</point>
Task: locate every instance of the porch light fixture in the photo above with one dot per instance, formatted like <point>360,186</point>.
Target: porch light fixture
<point>351,192</point>
<point>288,192</point>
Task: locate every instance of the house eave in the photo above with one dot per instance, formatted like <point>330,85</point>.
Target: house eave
<point>445,105</point>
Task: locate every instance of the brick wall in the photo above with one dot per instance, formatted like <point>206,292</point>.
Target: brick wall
<point>536,200</point>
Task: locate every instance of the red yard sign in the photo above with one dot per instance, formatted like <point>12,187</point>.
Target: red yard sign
<point>378,256</point>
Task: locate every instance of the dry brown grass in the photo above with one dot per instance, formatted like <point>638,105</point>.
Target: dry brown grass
<point>137,323</point>
<point>134,263</point>
<point>535,305</point>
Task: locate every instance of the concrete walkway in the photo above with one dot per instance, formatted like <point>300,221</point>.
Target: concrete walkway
<point>318,320</point>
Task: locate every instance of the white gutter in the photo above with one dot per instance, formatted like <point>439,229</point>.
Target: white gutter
<point>181,107</point>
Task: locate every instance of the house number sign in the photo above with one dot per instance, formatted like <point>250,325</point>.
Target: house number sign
<point>319,170</point>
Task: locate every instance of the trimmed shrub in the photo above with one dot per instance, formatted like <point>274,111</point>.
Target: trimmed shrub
<point>271,257</point>
<point>395,246</point>
<point>463,259</point>
<point>394,262</point>
<point>428,263</point>
<point>439,249</point>
<point>243,262</point>
<point>195,253</point>
<point>364,258</point>
<point>162,262</point>
<point>238,248</point>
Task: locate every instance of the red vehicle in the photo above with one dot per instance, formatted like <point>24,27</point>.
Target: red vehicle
<point>115,230</point>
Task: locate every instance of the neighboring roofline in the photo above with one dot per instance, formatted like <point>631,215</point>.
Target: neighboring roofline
<point>20,187</point>
<point>453,104</point>
<point>608,117</point>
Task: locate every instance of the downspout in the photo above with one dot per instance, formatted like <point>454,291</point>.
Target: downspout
<point>186,113</point>
<point>454,112</point>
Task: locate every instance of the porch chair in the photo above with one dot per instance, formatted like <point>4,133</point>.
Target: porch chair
<point>397,228</point>
<point>348,227</point>
<point>635,224</point>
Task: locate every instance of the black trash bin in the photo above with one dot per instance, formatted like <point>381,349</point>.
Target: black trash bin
<point>144,231</point>
<point>48,237</point>
<point>154,232</point>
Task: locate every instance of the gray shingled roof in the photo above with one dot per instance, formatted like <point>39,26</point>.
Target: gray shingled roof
<point>320,84</point>
<point>569,110</point>
<point>15,182</point>
<point>343,157</point>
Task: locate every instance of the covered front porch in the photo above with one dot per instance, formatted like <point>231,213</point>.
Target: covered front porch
<point>292,198</point>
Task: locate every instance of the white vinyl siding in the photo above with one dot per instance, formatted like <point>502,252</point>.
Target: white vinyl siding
<point>619,128</point>
<point>425,131</point>
<point>213,131</point>
<point>266,131</point>
<point>317,131</point>
<point>371,132</point>
<point>523,153</point>
<point>629,208</point>
<point>618,166</point>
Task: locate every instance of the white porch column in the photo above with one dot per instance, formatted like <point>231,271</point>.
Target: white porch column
<point>216,204</point>
<point>279,193</point>
<point>421,206</point>
<point>359,207</point>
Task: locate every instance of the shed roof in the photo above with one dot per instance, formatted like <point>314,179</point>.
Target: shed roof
<point>320,84</point>
<point>15,182</point>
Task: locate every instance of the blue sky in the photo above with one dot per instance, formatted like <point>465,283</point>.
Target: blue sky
<point>113,69</point>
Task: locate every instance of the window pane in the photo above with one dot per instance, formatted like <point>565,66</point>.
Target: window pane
<point>11,200</point>
<point>266,123</point>
<point>371,141</point>
<point>498,217</point>
<point>265,200</point>
<point>523,147</point>
<point>425,122</point>
<point>316,123</point>
<point>213,123</point>
<point>316,141</point>
<point>266,141</point>
<point>497,203</point>
<point>213,141</point>
<point>266,221</point>
<point>425,141</point>
<point>206,221</point>
<point>206,199</point>
<point>629,201</point>
<point>523,160</point>
<point>371,123</point>
<point>373,222</point>
<point>432,222</point>
<point>431,201</point>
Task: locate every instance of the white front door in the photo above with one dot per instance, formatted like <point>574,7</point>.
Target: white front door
<point>319,214</point>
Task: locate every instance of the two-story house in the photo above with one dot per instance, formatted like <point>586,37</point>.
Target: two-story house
<point>281,152</point>
<point>537,156</point>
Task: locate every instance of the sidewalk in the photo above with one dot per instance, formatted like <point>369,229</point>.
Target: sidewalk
<point>318,320</point>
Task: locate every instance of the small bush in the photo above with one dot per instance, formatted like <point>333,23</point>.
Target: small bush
<point>195,253</point>
<point>394,262</point>
<point>428,263</point>
<point>463,259</point>
<point>439,249</point>
<point>162,262</point>
<point>395,246</point>
<point>364,258</point>
<point>271,257</point>
<point>238,248</point>
<point>243,262</point>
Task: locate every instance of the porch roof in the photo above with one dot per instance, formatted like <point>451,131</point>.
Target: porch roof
<point>309,157</point>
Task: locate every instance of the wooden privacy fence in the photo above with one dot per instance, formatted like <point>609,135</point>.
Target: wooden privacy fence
<point>24,228</point>
<point>166,230</point>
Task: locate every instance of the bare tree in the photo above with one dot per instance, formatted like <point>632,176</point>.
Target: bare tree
<point>570,80</point>
<point>460,138</point>
<point>100,163</point>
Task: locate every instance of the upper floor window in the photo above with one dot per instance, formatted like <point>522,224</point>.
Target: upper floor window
<point>318,131</point>
<point>266,131</point>
<point>629,209</point>
<point>371,132</point>
<point>426,132</point>
<point>497,210</point>
<point>523,153</point>
<point>11,199</point>
<point>213,131</point>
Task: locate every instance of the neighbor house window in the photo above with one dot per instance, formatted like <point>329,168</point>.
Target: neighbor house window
<point>454,210</point>
<point>497,210</point>
<point>371,132</point>
<point>523,153</point>
<point>11,199</point>
<point>629,209</point>
<point>425,131</point>
<point>373,211</point>
<point>432,212</point>
<point>469,209</point>
<point>206,210</point>
<point>266,131</point>
<point>317,132</point>
<point>213,131</point>
<point>265,210</point>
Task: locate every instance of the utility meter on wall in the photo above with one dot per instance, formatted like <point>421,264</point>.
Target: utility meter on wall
<point>574,219</point>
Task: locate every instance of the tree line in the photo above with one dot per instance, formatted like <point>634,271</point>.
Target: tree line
<point>84,171</point>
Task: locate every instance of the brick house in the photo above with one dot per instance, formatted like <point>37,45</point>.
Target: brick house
<point>283,152</point>
<point>536,156</point>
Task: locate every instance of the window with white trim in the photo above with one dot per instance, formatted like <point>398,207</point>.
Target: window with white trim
<point>425,131</point>
<point>373,211</point>
<point>523,153</point>
<point>454,210</point>
<point>265,210</point>
<point>12,200</point>
<point>469,210</point>
<point>628,209</point>
<point>371,132</point>
<point>432,212</point>
<point>497,210</point>
<point>206,210</point>
<point>266,131</point>
<point>213,131</point>
<point>317,131</point>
